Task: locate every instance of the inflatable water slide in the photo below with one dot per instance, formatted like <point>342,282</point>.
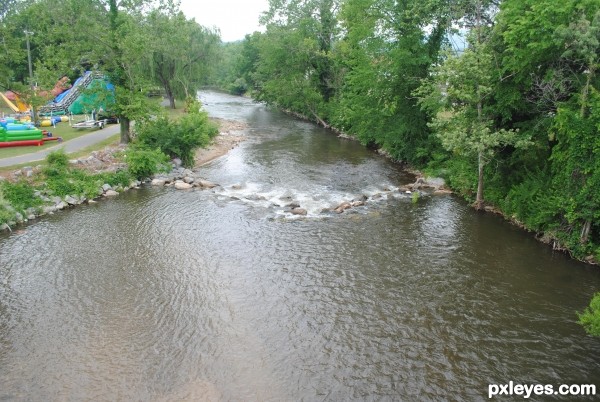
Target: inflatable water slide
<point>75,100</point>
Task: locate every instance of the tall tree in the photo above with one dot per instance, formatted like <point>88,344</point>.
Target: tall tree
<point>388,48</point>
<point>296,68</point>
<point>181,54</point>
<point>463,85</point>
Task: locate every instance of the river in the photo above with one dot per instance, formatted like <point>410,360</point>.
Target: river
<point>164,295</point>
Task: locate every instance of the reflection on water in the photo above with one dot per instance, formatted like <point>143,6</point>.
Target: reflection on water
<point>223,295</point>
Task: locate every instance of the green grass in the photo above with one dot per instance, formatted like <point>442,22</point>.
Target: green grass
<point>112,140</point>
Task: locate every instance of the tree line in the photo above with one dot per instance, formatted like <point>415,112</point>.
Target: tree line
<point>140,45</point>
<point>498,97</point>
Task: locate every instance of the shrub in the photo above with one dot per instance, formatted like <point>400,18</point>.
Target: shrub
<point>178,139</point>
<point>590,318</point>
<point>58,159</point>
<point>192,105</point>
<point>21,195</point>
<point>5,215</point>
<point>118,178</point>
<point>143,162</point>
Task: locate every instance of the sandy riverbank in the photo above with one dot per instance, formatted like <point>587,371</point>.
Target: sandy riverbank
<point>229,137</point>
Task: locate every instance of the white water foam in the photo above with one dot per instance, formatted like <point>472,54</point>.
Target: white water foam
<point>320,201</point>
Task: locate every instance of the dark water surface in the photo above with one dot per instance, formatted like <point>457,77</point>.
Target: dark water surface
<point>222,295</point>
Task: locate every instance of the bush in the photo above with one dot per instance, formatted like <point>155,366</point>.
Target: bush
<point>143,162</point>
<point>192,105</point>
<point>590,318</point>
<point>178,139</point>
<point>58,159</point>
<point>118,178</point>
<point>20,195</point>
<point>5,215</point>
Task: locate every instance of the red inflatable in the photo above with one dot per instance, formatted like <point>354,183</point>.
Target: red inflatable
<point>21,143</point>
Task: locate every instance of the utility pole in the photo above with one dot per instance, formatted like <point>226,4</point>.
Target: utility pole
<point>27,33</point>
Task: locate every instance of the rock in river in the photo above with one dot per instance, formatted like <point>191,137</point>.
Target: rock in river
<point>180,185</point>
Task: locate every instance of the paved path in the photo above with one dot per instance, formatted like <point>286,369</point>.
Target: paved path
<point>73,145</point>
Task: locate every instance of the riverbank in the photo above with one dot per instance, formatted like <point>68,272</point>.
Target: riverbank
<point>229,137</point>
<point>60,183</point>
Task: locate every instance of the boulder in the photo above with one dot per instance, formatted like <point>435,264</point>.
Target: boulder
<point>255,197</point>
<point>62,205</point>
<point>71,200</point>
<point>188,179</point>
<point>106,187</point>
<point>206,184</point>
<point>299,211</point>
<point>358,203</point>
<point>158,182</point>
<point>293,205</point>
<point>111,193</point>
<point>180,185</point>
<point>49,209</point>
<point>342,207</point>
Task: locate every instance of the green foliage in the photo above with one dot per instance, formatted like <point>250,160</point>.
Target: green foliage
<point>143,162</point>
<point>182,54</point>
<point>20,195</point>
<point>58,160</point>
<point>74,185</point>
<point>590,318</point>
<point>178,139</point>
<point>121,178</point>
<point>192,104</point>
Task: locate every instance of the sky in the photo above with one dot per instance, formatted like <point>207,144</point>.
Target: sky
<point>235,18</point>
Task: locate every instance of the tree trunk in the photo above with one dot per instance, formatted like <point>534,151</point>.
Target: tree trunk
<point>170,96</point>
<point>585,231</point>
<point>125,127</point>
<point>479,197</point>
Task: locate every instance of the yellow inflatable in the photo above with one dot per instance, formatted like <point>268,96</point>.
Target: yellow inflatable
<point>64,119</point>
<point>45,123</point>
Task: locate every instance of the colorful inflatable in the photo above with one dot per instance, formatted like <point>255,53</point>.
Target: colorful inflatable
<point>17,134</point>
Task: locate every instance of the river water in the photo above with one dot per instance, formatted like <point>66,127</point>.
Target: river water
<point>163,295</point>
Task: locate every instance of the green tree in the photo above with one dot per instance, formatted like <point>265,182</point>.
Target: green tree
<point>385,54</point>
<point>463,85</point>
<point>295,69</point>
<point>181,54</point>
